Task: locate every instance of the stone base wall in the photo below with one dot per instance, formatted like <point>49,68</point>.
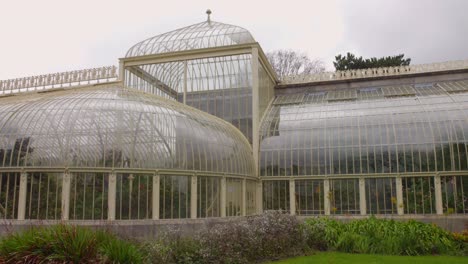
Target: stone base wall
<point>149,229</point>
<point>141,229</point>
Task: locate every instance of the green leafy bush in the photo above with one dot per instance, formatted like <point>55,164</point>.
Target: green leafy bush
<point>381,236</point>
<point>66,244</point>
<point>319,232</point>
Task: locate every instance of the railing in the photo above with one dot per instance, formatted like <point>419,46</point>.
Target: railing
<point>375,72</point>
<point>58,80</point>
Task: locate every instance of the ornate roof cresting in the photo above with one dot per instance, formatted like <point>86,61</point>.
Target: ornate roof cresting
<point>58,80</point>
<point>376,72</point>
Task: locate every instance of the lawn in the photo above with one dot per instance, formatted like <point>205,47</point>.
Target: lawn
<point>338,258</point>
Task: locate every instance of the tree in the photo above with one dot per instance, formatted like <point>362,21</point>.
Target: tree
<point>290,62</point>
<point>351,62</point>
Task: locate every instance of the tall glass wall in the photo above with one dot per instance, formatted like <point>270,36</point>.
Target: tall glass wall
<point>376,150</point>
<point>316,134</point>
<point>220,86</point>
<point>266,89</point>
<point>115,127</point>
<point>114,153</point>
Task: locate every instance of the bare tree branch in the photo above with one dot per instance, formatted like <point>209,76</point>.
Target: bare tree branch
<point>290,62</point>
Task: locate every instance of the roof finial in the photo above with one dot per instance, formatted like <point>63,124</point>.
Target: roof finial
<point>208,12</point>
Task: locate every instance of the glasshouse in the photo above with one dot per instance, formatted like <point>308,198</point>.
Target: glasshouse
<point>195,123</point>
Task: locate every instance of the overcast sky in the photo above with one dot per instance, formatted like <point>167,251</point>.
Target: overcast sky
<point>46,36</point>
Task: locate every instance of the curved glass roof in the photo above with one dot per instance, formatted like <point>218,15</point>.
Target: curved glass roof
<point>115,127</point>
<point>207,34</point>
<point>376,130</point>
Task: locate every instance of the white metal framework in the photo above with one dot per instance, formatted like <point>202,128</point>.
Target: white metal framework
<point>130,150</point>
<point>109,152</point>
<point>211,66</point>
<point>380,150</point>
<point>207,34</point>
<point>114,127</point>
<point>190,127</point>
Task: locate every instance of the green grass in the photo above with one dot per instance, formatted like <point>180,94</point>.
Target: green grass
<point>345,258</point>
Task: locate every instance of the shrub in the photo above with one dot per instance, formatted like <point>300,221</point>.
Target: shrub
<point>321,232</point>
<point>172,247</point>
<point>270,236</point>
<point>186,250</point>
<point>462,240</point>
<point>157,251</point>
<point>276,235</point>
<point>381,236</point>
<point>66,244</point>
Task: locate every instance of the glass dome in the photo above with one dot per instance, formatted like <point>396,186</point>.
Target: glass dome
<point>208,34</point>
<point>115,127</point>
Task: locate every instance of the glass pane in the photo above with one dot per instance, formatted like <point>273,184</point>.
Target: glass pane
<point>344,196</point>
<point>381,196</point>
<point>9,191</point>
<point>133,196</point>
<point>309,197</point>
<point>88,196</point>
<point>208,196</point>
<point>174,199</point>
<point>44,196</point>
<point>276,195</point>
<point>455,194</point>
<point>418,195</point>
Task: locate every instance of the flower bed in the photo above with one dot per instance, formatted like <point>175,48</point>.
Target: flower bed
<point>270,236</point>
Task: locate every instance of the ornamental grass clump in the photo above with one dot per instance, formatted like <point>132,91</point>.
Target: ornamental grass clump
<point>66,244</point>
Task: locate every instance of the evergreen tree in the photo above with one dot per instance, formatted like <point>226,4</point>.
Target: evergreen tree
<point>352,62</point>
